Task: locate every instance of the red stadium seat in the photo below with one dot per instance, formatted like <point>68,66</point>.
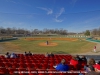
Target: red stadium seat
<point>10,60</point>
<point>44,66</point>
<point>4,71</point>
<point>2,64</point>
<point>29,65</point>
<point>15,65</point>
<point>16,61</point>
<point>4,60</point>
<point>37,65</point>
<point>28,61</point>
<point>8,65</point>
<point>71,67</point>
<point>22,65</point>
<point>51,66</point>
<point>22,61</point>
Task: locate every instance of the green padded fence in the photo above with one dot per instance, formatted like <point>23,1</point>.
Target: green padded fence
<point>3,40</point>
<point>90,39</point>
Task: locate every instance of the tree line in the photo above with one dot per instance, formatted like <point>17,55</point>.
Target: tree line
<point>93,32</point>
<point>19,31</point>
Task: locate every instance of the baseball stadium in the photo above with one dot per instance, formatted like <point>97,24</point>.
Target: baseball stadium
<point>49,37</point>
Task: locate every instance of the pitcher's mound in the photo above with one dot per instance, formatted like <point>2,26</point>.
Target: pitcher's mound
<point>49,44</point>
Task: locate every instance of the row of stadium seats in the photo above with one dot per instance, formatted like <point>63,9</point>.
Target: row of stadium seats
<point>34,61</point>
<point>31,65</point>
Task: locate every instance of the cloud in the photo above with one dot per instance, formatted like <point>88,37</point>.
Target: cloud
<point>58,20</point>
<point>49,11</point>
<point>61,11</point>
<point>59,14</point>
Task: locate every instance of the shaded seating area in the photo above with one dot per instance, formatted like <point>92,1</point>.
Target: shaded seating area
<point>37,64</point>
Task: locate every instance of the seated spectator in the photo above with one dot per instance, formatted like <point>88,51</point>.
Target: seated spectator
<point>97,67</point>
<point>84,58</point>
<point>51,55</point>
<point>7,55</point>
<point>91,63</point>
<point>29,53</point>
<point>74,62</point>
<point>25,53</point>
<point>92,71</point>
<point>13,55</point>
<point>78,58</point>
<point>62,66</point>
<point>47,55</point>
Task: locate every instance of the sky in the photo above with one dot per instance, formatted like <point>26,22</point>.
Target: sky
<point>72,15</point>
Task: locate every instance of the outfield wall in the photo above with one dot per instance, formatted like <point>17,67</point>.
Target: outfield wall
<point>7,39</point>
<point>90,39</point>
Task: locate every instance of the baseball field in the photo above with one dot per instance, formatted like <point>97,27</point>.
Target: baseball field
<point>56,45</point>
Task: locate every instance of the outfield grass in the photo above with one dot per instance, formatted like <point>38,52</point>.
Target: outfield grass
<point>63,47</point>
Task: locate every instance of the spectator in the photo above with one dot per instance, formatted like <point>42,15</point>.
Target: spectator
<point>62,66</point>
<point>97,67</point>
<point>83,62</point>
<point>7,55</point>
<point>47,55</point>
<point>84,58</point>
<point>13,55</point>
<point>25,53</point>
<point>78,58</point>
<point>92,71</point>
<point>29,53</point>
<point>74,62</point>
<point>51,55</point>
<point>91,63</point>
